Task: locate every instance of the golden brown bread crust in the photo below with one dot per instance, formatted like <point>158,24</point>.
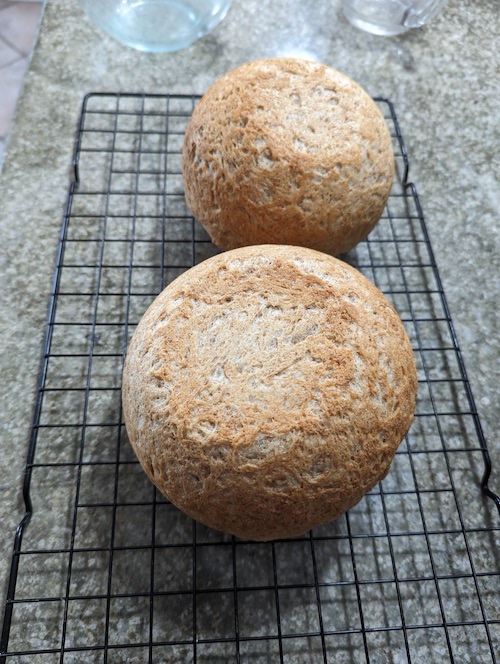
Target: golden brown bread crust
<point>287,151</point>
<point>266,390</point>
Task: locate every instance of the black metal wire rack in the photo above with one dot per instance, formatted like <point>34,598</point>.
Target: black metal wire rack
<point>108,571</point>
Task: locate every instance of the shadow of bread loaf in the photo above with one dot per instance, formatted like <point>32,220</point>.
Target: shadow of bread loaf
<point>286,151</point>
<point>266,390</point>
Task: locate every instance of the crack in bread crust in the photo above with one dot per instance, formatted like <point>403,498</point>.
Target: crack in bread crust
<point>266,390</point>
<point>287,151</point>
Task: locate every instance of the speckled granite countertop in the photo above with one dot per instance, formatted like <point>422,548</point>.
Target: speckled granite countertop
<point>443,80</point>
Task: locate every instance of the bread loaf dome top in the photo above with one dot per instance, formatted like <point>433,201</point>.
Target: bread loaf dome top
<point>287,151</point>
<point>267,389</point>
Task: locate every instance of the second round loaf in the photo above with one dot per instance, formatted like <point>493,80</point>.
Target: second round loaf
<point>287,151</point>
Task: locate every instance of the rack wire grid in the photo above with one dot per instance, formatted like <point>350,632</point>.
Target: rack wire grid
<point>109,571</point>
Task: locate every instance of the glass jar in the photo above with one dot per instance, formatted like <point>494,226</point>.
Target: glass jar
<point>156,25</point>
<point>390,17</point>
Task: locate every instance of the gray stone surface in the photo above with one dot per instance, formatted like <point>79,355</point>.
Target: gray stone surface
<point>443,80</point>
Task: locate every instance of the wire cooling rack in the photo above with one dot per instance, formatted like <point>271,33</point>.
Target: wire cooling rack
<point>108,571</point>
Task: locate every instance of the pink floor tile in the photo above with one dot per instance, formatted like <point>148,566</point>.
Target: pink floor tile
<point>18,24</point>
<point>11,79</point>
<point>8,55</point>
<point>18,28</point>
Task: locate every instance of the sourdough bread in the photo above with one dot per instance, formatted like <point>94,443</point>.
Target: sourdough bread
<point>266,390</point>
<point>287,151</point>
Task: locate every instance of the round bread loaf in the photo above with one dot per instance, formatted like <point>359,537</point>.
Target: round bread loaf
<point>287,151</point>
<point>266,390</point>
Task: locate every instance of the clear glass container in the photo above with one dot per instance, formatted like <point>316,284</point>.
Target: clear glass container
<point>390,17</point>
<point>156,25</point>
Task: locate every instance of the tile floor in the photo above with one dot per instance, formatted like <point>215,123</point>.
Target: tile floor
<point>19,20</point>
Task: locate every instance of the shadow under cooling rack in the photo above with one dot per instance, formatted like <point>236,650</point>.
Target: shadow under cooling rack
<point>108,571</point>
